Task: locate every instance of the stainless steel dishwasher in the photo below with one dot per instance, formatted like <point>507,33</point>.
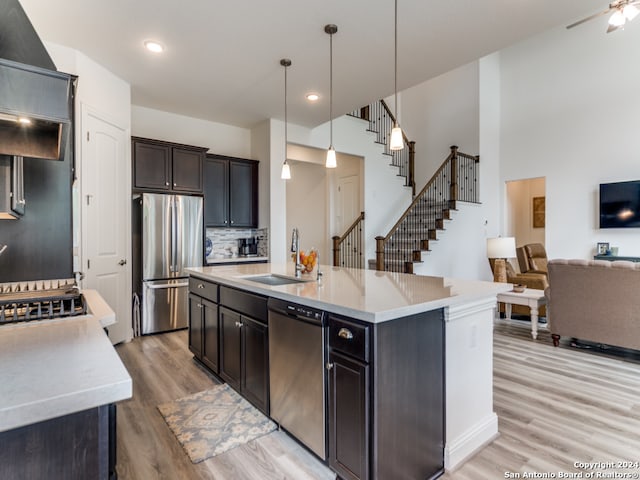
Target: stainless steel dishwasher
<point>296,372</point>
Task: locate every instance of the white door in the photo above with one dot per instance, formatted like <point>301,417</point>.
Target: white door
<point>348,202</point>
<point>348,209</point>
<point>106,214</point>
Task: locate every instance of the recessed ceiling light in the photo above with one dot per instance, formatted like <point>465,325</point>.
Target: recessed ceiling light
<point>154,47</point>
<point>24,120</point>
<point>313,97</point>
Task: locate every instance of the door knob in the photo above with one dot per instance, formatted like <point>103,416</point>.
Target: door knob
<point>329,366</point>
<point>122,262</point>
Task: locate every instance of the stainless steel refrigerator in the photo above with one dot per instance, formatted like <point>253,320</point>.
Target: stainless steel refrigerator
<point>171,241</point>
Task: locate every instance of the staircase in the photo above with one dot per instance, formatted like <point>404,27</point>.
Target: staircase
<point>381,121</point>
<point>455,181</point>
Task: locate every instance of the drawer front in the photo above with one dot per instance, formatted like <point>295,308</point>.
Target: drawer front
<point>204,289</point>
<point>254,306</point>
<point>349,337</point>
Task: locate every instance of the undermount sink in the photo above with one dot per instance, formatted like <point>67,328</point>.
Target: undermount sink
<point>274,279</point>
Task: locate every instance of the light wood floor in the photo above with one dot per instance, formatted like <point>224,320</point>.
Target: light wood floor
<point>556,406</point>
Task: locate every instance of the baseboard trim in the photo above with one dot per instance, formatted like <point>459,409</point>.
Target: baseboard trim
<point>460,449</point>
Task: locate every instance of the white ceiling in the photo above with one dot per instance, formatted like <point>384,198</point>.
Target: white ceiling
<point>222,59</point>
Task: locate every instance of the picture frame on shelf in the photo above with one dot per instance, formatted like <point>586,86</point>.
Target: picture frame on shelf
<point>602,248</point>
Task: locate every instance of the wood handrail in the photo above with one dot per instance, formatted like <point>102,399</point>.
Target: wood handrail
<point>452,182</point>
<point>338,240</point>
<point>350,229</point>
<point>419,195</point>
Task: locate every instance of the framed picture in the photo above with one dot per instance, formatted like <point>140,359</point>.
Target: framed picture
<point>538,212</point>
<point>603,247</point>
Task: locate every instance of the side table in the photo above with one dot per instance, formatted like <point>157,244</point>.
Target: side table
<point>532,298</point>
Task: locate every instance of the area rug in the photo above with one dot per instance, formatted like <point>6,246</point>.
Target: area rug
<point>214,421</point>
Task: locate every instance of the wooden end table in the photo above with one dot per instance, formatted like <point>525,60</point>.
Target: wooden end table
<point>532,298</point>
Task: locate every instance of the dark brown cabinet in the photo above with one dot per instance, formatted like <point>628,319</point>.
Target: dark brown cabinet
<point>244,356</point>
<point>386,397</point>
<point>348,417</point>
<point>230,192</point>
<point>244,345</point>
<point>165,166</point>
<point>203,322</point>
<point>231,347</point>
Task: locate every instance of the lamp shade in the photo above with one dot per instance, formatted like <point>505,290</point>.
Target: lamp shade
<point>331,158</point>
<point>286,172</point>
<point>501,247</point>
<point>396,142</point>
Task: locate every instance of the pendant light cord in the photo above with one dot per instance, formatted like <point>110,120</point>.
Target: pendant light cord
<point>331,90</point>
<point>285,113</point>
<point>395,56</point>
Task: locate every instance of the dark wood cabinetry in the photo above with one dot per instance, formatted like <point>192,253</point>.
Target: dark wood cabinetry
<point>348,416</point>
<point>228,333</point>
<point>386,397</point>
<point>230,192</point>
<point>244,356</point>
<point>231,347</point>
<point>165,166</point>
<point>203,322</point>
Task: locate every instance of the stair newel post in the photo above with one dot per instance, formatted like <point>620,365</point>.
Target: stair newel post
<point>336,250</point>
<point>453,189</point>
<point>412,159</point>
<point>380,253</point>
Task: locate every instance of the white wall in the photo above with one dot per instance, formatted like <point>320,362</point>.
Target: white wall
<point>571,113</point>
<point>219,138</point>
<point>385,197</point>
<point>307,204</point>
<point>441,112</point>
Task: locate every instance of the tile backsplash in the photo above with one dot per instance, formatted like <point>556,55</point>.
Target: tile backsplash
<point>224,241</point>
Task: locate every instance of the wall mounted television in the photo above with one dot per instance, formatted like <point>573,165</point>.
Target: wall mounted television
<point>620,205</point>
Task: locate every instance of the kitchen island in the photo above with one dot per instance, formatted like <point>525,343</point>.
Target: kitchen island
<point>393,311</point>
<point>59,380</point>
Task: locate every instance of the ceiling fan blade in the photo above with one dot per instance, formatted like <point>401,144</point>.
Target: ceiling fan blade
<point>590,17</point>
<point>613,28</point>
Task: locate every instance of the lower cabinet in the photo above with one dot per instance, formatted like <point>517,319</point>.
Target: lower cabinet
<point>203,323</point>
<point>348,417</point>
<point>244,356</point>
<point>230,347</point>
<point>386,397</point>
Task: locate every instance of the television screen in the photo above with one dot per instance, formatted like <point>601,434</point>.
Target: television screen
<point>620,205</point>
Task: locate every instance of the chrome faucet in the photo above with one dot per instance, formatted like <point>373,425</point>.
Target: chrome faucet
<point>3,248</point>
<point>295,248</point>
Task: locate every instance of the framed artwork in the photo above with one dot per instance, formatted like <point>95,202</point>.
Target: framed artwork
<point>538,212</point>
<point>603,248</point>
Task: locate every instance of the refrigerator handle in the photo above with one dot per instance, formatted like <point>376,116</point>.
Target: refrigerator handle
<point>174,236</point>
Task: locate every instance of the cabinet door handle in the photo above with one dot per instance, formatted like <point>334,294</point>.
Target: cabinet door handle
<point>329,366</point>
<point>345,333</point>
<point>122,262</point>
<point>200,285</point>
<point>166,184</point>
<point>225,221</point>
<point>231,221</point>
<point>238,324</point>
<point>199,305</point>
<point>175,184</point>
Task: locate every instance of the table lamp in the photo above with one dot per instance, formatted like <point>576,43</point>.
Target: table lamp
<point>500,249</point>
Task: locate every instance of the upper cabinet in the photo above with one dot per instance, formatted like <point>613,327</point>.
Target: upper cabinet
<point>165,166</point>
<point>230,192</point>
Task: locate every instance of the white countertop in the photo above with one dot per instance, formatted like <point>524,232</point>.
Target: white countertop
<point>56,367</point>
<point>367,295</point>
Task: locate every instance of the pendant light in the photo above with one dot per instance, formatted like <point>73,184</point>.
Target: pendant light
<point>286,171</point>
<point>331,153</point>
<point>396,142</point>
